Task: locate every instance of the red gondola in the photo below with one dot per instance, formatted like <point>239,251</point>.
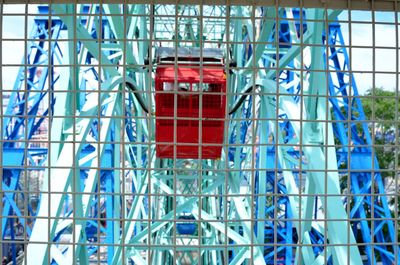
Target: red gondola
<point>183,104</point>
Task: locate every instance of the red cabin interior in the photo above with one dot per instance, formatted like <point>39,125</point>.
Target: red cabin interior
<point>192,104</point>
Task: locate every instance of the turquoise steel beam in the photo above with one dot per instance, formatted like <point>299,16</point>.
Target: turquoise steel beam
<point>268,106</point>
<point>60,180</point>
<point>267,27</point>
<point>312,35</point>
<point>338,231</point>
<point>70,24</point>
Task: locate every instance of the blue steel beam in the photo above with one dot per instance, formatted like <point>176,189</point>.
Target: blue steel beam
<point>20,124</point>
<point>364,167</point>
<point>312,37</point>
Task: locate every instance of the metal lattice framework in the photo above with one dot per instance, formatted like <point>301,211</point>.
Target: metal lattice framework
<point>273,198</point>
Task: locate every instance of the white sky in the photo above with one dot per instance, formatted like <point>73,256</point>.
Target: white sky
<point>361,35</point>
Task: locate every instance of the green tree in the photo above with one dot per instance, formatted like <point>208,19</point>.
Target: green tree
<point>380,107</point>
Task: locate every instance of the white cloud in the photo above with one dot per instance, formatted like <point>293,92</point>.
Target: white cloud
<point>362,57</point>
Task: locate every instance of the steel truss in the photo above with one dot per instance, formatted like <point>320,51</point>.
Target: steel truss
<point>102,166</point>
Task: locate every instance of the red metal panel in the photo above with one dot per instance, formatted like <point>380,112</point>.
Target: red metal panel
<point>211,74</point>
<point>189,95</point>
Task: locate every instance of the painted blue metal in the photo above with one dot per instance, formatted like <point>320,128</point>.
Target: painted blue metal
<point>359,157</point>
<point>19,125</point>
<point>365,177</point>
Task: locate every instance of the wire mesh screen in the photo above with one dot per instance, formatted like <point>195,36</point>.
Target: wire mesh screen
<point>198,134</point>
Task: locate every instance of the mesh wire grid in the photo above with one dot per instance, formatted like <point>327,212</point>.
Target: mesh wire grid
<point>306,170</point>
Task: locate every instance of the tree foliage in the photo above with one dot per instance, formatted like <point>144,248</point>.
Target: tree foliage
<point>380,108</point>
